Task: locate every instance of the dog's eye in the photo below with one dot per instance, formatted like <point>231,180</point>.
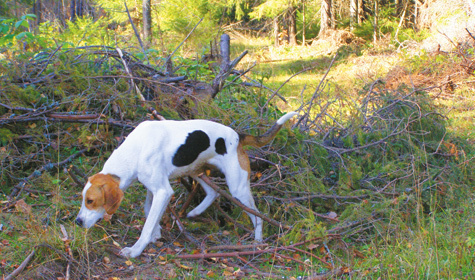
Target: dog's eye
<point>89,201</point>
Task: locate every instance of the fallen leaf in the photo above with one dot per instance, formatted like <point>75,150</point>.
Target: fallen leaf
<point>128,263</point>
<point>312,246</point>
<point>106,260</point>
<point>210,274</point>
<point>178,244</point>
<point>23,207</point>
<point>151,251</point>
<point>184,266</point>
<point>358,254</point>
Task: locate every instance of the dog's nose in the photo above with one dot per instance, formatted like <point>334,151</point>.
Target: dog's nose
<point>79,222</point>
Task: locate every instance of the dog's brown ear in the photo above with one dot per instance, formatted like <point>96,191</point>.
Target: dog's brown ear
<point>113,196</point>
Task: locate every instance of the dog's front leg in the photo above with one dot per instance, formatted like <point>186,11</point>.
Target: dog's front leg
<point>151,228</point>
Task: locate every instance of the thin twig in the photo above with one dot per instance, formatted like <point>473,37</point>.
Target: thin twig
<point>238,203</point>
<point>182,42</point>
<point>236,247</point>
<point>21,267</point>
<point>135,30</point>
<point>21,185</point>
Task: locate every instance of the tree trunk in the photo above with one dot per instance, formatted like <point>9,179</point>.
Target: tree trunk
<point>275,23</point>
<point>79,8</point>
<point>292,27</point>
<point>73,10</point>
<point>303,22</point>
<point>147,22</point>
<point>360,12</point>
<point>326,16</point>
<point>353,13</point>
<point>375,23</point>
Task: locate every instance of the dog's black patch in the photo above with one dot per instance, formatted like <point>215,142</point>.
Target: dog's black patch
<point>220,146</point>
<point>196,142</point>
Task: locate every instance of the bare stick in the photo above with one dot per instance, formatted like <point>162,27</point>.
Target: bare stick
<point>277,90</point>
<point>236,247</point>
<point>139,92</point>
<point>182,227</point>
<point>21,267</point>
<point>182,42</point>
<point>20,186</point>
<point>66,241</point>
<point>192,194</point>
<point>250,253</point>
<point>238,203</point>
<point>319,85</point>
<point>135,30</point>
<point>227,217</point>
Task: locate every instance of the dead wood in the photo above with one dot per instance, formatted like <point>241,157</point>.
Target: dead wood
<point>226,66</point>
<point>17,189</point>
<point>244,207</point>
<point>21,267</point>
<point>236,247</point>
<point>256,252</point>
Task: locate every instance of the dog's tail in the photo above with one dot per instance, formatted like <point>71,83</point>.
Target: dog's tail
<point>259,141</point>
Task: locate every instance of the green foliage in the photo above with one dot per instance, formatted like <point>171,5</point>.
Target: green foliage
<point>84,31</point>
<point>15,33</point>
<point>388,24</point>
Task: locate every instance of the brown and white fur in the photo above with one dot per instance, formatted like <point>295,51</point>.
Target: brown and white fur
<point>158,151</point>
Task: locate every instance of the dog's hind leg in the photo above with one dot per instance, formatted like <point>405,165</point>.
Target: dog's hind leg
<point>237,178</point>
<point>211,196</point>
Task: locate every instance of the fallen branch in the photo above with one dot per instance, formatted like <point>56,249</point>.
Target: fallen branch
<point>182,42</point>
<point>251,253</point>
<point>238,203</point>
<point>21,185</point>
<point>69,253</point>
<point>77,120</point>
<point>236,247</point>
<point>332,274</point>
<point>135,30</point>
<point>227,217</point>
<point>226,66</point>
<point>21,267</point>
<point>181,227</point>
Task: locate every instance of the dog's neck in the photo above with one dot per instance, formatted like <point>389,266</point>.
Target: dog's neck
<point>119,165</point>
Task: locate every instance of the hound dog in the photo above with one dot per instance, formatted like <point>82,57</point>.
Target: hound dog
<point>158,151</point>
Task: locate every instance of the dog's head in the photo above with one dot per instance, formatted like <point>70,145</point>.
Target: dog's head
<point>100,195</point>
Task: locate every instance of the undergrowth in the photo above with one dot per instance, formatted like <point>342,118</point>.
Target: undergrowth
<point>378,183</point>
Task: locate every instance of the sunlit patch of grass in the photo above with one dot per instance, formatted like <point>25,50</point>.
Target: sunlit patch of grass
<point>442,246</point>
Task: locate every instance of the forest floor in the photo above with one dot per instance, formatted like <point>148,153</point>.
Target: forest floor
<point>418,236</point>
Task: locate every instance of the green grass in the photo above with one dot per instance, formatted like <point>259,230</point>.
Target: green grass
<point>420,227</point>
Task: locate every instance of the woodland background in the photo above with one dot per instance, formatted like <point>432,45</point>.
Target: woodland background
<point>373,180</point>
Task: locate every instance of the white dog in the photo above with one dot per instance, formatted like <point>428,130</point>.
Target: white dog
<point>157,151</point>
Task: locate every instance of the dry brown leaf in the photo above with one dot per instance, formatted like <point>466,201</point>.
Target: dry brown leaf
<point>23,207</point>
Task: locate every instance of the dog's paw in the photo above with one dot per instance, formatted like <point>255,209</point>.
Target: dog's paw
<point>129,252</point>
